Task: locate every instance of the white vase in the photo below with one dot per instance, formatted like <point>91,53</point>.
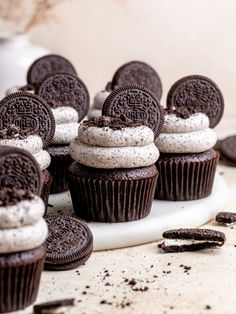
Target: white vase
<point>17,52</point>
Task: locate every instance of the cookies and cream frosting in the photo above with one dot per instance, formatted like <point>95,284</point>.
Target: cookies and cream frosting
<point>33,144</point>
<point>21,224</point>
<point>113,145</point>
<point>98,101</point>
<point>186,135</point>
<point>67,125</point>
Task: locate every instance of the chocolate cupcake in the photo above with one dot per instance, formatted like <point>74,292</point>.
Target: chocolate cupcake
<point>113,177</point>
<point>22,234</point>
<point>68,98</point>
<point>187,162</point>
<point>26,121</point>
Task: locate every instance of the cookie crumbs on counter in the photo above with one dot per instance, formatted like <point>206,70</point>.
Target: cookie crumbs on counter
<point>207,307</point>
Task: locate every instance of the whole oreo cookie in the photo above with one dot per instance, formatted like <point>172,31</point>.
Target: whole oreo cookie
<point>19,169</point>
<point>135,103</point>
<point>140,73</point>
<point>69,243</point>
<point>46,66</point>
<point>197,94</point>
<point>65,90</point>
<point>29,113</point>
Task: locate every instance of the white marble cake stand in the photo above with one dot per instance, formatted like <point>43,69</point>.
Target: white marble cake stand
<point>164,215</point>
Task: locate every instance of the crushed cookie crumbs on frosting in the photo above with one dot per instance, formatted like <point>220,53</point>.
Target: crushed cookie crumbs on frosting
<point>13,132</point>
<point>11,196</point>
<point>183,113</point>
<point>111,122</point>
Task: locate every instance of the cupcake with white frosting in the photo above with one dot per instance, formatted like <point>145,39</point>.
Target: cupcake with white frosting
<point>22,234</point>
<point>113,176</point>
<point>187,161</point>
<point>98,101</point>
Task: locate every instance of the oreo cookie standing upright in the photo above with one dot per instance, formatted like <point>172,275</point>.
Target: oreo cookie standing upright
<point>48,65</point>
<point>68,98</point>
<point>26,121</point>
<point>194,106</point>
<point>140,73</point>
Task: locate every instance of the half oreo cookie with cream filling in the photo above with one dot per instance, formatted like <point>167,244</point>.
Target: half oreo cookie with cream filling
<point>180,240</point>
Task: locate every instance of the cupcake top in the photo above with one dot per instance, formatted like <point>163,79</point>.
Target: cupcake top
<point>185,132</point>
<point>15,137</point>
<point>22,227</point>
<point>109,143</point>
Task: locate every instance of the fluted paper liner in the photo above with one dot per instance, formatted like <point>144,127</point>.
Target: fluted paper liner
<point>186,179</point>
<point>105,200</point>
<point>59,170</point>
<point>19,282</point>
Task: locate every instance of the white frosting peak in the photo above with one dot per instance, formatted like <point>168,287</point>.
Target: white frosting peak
<point>65,115</point>
<point>99,99</point>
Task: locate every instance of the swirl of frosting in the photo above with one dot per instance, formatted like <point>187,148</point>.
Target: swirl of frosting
<point>67,125</point>
<point>34,145</point>
<point>23,238</point>
<point>106,143</point>
<point>25,212</point>
<point>191,135</point>
<point>106,137</point>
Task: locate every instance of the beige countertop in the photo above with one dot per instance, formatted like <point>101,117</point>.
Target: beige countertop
<point>206,285</point>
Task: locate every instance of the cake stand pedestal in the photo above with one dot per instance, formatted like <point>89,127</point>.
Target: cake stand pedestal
<point>164,215</point>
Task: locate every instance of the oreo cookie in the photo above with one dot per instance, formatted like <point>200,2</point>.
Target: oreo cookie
<point>69,243</point>
<point>29,113</point>
<point>228,148</point>
<point>42,308</point>
<point>197,93</point>
<point>19,170</point>
<point>134,103</point>
<point>140,73</point>
<point>46,66</point>
<point>180,240</point>
<point>226,218</point>
<point>65,90</point>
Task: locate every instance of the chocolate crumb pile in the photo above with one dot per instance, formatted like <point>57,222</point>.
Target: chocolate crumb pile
<point>13,132</point>
<point>111,122</point>
<point>13,196</point>
<point>183,113</point>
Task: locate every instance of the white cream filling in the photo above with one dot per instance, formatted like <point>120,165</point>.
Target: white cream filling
<point>107,137</point>
<point>25,212</point>
<point>181,242</point>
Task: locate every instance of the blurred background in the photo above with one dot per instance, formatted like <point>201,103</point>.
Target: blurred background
<point>177,38</point>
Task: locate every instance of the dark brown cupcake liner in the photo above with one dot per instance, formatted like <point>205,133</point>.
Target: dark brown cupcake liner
<point>20,275</point>
<point>60,162</point>
<point>186,177</point>
<point>47,181</point>
<point>100,198</point>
